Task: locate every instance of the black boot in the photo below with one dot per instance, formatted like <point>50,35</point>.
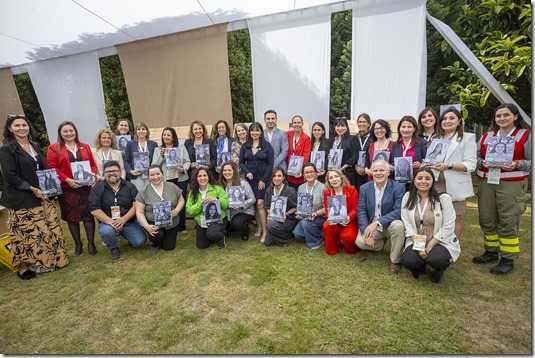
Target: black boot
<point>417,272</point>
<point>91,247</point>
<point>438,276</point>
<point>78,248</point>
<point>503,268</point>
<point>487,258</point>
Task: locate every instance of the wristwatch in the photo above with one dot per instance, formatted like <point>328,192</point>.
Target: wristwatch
<point>450,166</point>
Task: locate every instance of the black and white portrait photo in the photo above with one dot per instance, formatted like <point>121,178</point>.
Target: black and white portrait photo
<point>162,214</point>
<point>141,161</point>
<point>277,210</point>
<point>236,196</point>
<point>122,141</point>
<point>172,158</point>
<point>403,169</point>
<point>337,209</point>
<point>335,158</point>
<point>212,212</point>
<point>318,158</point>
<point>500,150</point>
<point>81,172</point>
<point>222,158</point>
<point>202,154</point>
<point>381,155</point>
<point>361,161</point>
<point>296,165</point>
<point>304,204</point>
<point>49,182</point>
<point>437,151</point>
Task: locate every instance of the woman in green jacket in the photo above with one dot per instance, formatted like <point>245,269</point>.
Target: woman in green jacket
<point>204,190</point>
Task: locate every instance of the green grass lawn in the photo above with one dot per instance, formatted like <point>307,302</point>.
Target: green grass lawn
<point>250,299</point>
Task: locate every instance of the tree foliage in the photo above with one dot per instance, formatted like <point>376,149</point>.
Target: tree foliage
<point>241,76</point>
<point>114,86</point>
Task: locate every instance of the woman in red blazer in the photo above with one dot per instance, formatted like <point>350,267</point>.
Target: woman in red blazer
<point>336,183</point>
<point>298,144</point>
<point>74,201</point>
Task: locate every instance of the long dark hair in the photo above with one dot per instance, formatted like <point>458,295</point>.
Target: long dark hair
<point>415,138</point>
<point>262,141</point>
<point>173,134</point>
<point>519,122</point>
<point>235,181</point>
<point>8,135</point>
<point>129,126</point>
<point>194,186</point>
<point>323,140</point>
<point>215,132</point>
<point>61,142</point>
<point>275,171</point>
<point>337,122</point>
<point>420,126</point>
<point>216,212</point>
<point>460,127</point>
<point>384,124</point>
<point>434,195</point>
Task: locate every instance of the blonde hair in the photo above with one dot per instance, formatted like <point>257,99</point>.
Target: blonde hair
<point>343,178</point>
<point>236,138</point>
<point>96,141</point>
<point>141,124</point>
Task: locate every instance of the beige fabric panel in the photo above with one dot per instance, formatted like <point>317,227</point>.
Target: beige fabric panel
<point>175,79</point>
<point>9,97</point>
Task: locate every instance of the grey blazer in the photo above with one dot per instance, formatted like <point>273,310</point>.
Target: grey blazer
<point>279,142</point>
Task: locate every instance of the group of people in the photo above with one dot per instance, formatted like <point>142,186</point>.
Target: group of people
<point>358,205</point>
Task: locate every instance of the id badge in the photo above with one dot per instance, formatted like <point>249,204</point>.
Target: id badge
<point>115,212</point>
<point>203,222</point>
<point>419,242</point>
<point>494,176</point>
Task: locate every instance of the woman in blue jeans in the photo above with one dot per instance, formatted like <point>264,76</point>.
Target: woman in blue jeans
<point>309,229</point>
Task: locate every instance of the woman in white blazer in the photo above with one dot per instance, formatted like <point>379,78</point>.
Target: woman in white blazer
<point>429,219</point>
<point>453,176</point>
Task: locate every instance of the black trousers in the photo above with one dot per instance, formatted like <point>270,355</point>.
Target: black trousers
<point>214,233</point>
<point>164,238</point>
<point>240,222</point>
<point>438,258</point>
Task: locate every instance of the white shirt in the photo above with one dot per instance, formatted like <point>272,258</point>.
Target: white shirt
<point>379,192</point>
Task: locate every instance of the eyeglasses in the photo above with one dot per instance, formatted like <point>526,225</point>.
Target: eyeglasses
<point>379,129</point>
<point>111,171</point>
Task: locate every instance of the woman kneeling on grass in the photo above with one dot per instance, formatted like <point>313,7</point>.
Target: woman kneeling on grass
<point>279,228</point>
<point>204,190</point>
<point>239,215</point>
<point>429,219</point>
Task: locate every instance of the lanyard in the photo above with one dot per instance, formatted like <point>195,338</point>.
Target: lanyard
<point>295,142</point>
<point>106,157</point>
<point>336,143</point>
<point>384,145</point>
<point>429,136</point>
<point>365,140</point>
<point>497,133</point>
<point>140,148</point>
<point>275,190</point>
<point>405,150</point>
<point>115,194</point>
<point>313,186</point>
<point>421,212</point>
<point>451,136</point>
<point>30,151</point>
<point>159,194</point>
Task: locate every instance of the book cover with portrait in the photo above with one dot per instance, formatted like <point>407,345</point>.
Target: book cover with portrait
<point>49,182</point>
<point>500,150</point>
<point>335,158</point>
<point>162,214</point>
<point>81,172</point>
<point>318,158</point>
<point>173,158</point>
<point>403,169</point>
<point>277,209</point>
<point>202,154</point>
<point>212,212</point>
<point>381,155</point>
<point>222,158</point>
<point>296,165</point>
<point>122,142</point>
<point>236,196</point>
<point>337,209</point>
<point>436,153</point>
<point>141,161</point>
<point>304,204</point>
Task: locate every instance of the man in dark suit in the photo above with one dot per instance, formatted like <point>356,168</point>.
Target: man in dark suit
<point>379,214</point>
<point>277,138</point>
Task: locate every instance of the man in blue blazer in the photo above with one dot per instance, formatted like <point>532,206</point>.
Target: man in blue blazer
<point>379,214</point>
<point>277,138</point>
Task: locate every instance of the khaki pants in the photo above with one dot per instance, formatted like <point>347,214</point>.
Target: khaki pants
<point>395,232</point>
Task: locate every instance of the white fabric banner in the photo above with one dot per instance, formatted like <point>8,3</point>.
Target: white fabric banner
<point>291,57</point>
<point>389,58</point>
<point>70,88</point>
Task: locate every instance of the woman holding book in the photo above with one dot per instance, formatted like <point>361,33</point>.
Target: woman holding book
<point>319,144</point>
<point>342,139</point>
<point>203,191</point>
<point>176,175</point>
<point>105,142</point>
<point>409,144</point>
<point>364,123</point>
<point>240,137</point>
<point>37,243</point>
<point>151,198</point>
<point>239,215</point>
<point>221,135</point>
<point>198,135</point>
<point>502,202</point>
<point>74,202</point>
<point>298,145</point>
<point>380,141</point>
<point>310,228</point>
<point>140,144</point>
<point>279,231</point>
<point>346,231</point>
<point>429,219</point>
<point>454,173</point>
